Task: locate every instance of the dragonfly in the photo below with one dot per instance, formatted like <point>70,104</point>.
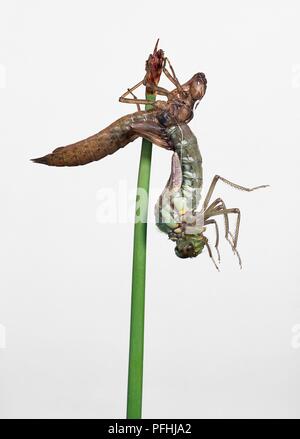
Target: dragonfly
<point>165,123</point>
<point>176,209</point>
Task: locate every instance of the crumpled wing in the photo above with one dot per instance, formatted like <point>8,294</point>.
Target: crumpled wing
<point>153,132</point>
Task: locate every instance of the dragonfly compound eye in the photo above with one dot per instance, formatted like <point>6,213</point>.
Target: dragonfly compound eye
<point>186,251</point>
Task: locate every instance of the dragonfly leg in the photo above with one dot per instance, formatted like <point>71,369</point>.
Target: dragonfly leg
<point>134,97</point>
<point>211,255</point>
<point>235,211</point>
<point>219,204</point>
<point>158,90</point>
<point>230,183</point>
<point>212,221</point>
<point>134,100</point>
<point>222,210</point>
<point>171,76</point>
<point>234,249</point>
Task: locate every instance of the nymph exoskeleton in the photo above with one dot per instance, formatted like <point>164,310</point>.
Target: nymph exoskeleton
<point>147,124</point>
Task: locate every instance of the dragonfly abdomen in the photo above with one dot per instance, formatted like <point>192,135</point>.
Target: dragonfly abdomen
<point>182,193</point>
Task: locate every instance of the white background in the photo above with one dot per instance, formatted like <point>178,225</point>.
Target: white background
<point>216,344</point>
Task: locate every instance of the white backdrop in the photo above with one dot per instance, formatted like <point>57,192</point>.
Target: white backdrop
<point>217,344</point>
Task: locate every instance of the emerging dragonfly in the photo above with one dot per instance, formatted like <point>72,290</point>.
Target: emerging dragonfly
<point>175,210</point>
<point>165,124</point>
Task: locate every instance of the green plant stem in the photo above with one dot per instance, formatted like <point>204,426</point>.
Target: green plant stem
<point>136,346</point>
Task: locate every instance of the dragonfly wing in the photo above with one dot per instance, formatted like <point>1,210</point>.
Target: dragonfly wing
<point>153,132</point>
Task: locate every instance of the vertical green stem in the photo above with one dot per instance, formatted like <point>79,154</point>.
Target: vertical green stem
<point>136,347</point>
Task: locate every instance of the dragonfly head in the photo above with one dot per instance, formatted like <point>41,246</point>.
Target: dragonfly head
<point>190,246</point>
<point>197,86</point>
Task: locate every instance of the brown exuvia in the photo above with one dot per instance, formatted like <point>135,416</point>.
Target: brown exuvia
<point>151,124</point>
